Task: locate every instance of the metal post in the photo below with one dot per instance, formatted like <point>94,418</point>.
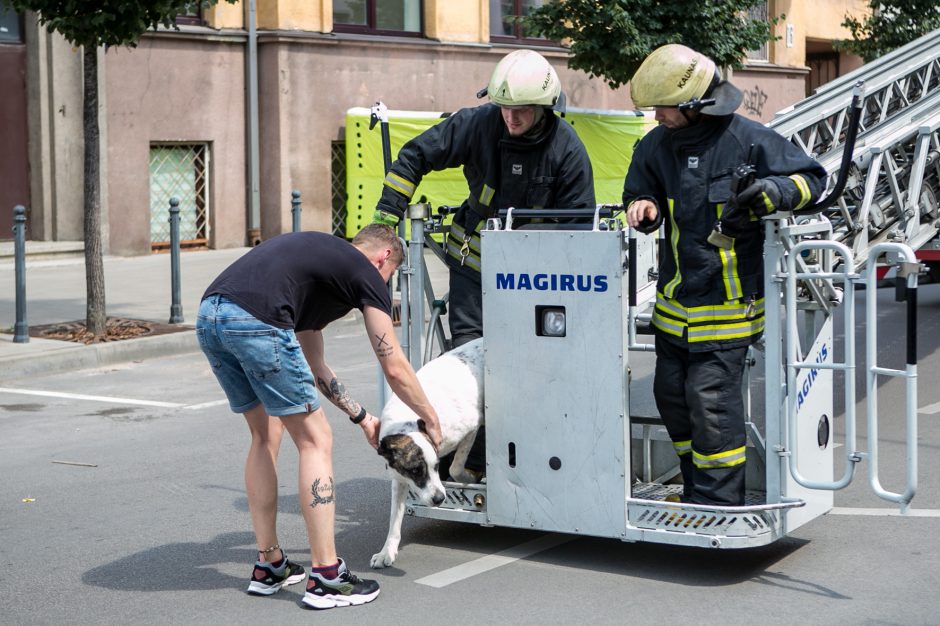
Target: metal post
<point>21,328</point>
<point>176,308</point>
<point>295,210</point>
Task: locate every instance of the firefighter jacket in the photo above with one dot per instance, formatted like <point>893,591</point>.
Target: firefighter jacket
<point>708,297</point>
<point>549,169</point>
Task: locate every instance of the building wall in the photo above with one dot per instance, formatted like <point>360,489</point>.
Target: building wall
<point>175,89</point>
<point>189,86</point>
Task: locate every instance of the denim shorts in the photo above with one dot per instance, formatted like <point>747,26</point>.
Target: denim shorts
<point>255,362</point>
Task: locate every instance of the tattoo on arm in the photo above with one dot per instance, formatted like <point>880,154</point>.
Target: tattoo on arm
<point>382,347</point>
<point>336,392</point>
<point>322,494</point>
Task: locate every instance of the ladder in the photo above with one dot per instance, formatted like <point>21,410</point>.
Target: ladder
<point>892,193</point>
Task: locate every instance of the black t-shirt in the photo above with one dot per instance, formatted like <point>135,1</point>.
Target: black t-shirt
<point>302,281</point>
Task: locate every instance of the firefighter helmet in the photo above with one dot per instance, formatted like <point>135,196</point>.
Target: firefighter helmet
<point>677,76</point>
<point>524,78</point>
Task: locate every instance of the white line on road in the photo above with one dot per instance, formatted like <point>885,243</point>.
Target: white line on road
<point>205,405</point>
<point>886,512</point>
<point>79,396</point>
<point>930,408</point>
<point>492,561</point>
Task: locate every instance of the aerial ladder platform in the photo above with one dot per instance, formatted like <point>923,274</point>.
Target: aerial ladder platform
<point>565,452</point>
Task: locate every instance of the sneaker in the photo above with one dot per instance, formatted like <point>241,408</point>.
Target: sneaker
<point>265,581</point>
<point>344,590</point>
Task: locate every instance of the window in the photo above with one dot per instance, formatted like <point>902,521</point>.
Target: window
<point>11,26</point>
<point>190,14</point>
<point>378,17</point>
<point>758,13</point>
<point>503,24</point>
<point>181,171</point>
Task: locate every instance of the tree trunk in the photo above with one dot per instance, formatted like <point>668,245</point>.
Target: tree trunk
<point>95,320</point>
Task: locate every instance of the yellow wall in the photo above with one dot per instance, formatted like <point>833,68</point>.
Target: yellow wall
<point>225,15</point>
<point>465,21</point>
<point>309,15</point>
<point>819,20</point>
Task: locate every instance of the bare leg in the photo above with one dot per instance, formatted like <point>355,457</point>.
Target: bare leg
<point>314,440</point>
<point>261,478</point>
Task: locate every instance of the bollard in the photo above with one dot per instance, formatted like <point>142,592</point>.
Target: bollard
<point>21,328</point>
<point>176,308</point>
<point>295,210</point>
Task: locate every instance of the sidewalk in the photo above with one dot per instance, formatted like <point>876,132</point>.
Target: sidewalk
<point>135,288</point>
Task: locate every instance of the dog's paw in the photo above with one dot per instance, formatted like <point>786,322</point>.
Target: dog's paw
<point>383,559</point>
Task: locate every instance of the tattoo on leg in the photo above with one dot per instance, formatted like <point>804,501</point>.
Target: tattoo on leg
<point>336,392</point>
<point>329,494</point>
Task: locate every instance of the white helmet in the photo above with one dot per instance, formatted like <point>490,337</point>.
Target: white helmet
<point>523,78</point>
<point>675,75</point>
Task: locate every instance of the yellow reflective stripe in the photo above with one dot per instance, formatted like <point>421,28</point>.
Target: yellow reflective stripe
<point>458,238</point>
<point>472,260</point>
<point>667,325</point>
<point>729,269</point>
<point>720,459</point>
<point>486,196</point>
<point>719,332</point>
<point>803,187</point>
<point>402,185</point>
<point>670,288</point>
<point>708,312</point>
<point>682,447</point>
<point>767,203</point>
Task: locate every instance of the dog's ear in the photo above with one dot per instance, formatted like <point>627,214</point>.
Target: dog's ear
<point>389,446</point>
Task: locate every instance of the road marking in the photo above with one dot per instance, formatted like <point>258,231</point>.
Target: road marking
<point>205,405</point>
<point>79,396</point>
<point>930,408</point>
<point>886,512</point>
<point>492,561</point>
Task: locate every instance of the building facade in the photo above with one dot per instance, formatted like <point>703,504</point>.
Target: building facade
<point>180,112</point>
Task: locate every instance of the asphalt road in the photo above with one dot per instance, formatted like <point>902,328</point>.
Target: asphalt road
<point>122,502</point>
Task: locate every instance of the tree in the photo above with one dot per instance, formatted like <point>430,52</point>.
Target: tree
<point>891,24</point>
<point>90,24</point>
<point>609,40</point>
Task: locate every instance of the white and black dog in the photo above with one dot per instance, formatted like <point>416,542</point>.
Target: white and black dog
<point>453,384</point>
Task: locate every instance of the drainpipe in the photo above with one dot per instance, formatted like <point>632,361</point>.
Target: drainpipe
<point>254,170</point>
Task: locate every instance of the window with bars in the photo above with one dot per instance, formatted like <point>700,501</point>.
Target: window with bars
<point>338,187</point>
<point>181,171</point>
<point>759,13</point>
<point>378,17</point>
<point>505,28</point>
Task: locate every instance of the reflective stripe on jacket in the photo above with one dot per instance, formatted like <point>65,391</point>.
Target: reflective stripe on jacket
<point>550,170</point>
<point>708,294</point>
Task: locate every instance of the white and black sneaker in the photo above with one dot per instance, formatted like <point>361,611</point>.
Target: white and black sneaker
<point>266,580</point>
<point>345,590</point>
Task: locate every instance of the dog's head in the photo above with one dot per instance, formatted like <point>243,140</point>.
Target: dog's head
<point>413,459</point>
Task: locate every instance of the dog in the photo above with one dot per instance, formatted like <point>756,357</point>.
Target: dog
<point>453,384</point>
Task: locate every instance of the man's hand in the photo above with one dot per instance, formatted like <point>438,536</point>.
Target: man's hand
<point>761,197</point>
<point>370,426</point>
<point>433,431</point>
<point>642,215</point>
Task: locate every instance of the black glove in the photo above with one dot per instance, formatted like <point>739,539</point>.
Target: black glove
<point>761,197</point>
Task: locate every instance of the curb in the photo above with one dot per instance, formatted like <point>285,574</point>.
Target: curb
<point>57,359</point>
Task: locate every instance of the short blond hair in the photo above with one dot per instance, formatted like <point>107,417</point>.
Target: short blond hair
<point>380,236</point>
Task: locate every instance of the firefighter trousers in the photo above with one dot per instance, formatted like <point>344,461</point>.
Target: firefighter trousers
<point>700,399</point>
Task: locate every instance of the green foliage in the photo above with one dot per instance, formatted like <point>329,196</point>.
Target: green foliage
<point>105,22</point>
<point>610,39</point>
<point>891,24</point>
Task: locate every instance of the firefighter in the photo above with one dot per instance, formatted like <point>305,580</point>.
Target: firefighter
<point>709,301</point>
<point>515,152</point>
